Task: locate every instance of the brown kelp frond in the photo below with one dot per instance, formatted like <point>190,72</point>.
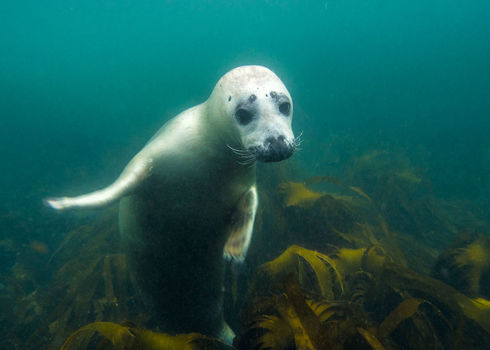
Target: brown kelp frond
<point>293,321</point>
<point>405,197</point>
<point>371,339</point>
<point>129,338</point>
<point>348,260</point>
<point>405,310</point>
<point>338,182</point>
<point>374,259</point>
<point>297,194</point>
<point>89,240</point>
<point>86,289</point>
<point>275,327</point>
<point>357,190</point>
<point>274,333</point>
<point>306,326</point>
<point>403,280</point>
<point>302,263</point>
<point>100,290</point>
<point>347,218</point>
<point>288,322</point>
<point>418,322</point>
<point>384,305</point>
<point>92,283</point>
<point>466,265</point>
<point>323,309</point>
<point>481,303</point>
<point>120,336</point>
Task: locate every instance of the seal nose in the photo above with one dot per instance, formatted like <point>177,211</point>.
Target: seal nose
<point>277,149</point>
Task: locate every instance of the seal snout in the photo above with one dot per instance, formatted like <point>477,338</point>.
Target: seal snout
<point>274,149</point>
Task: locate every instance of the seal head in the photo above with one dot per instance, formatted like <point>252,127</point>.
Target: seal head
<point>258,110</point>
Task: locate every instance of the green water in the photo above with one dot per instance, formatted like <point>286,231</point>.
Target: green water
<point>84,84</point>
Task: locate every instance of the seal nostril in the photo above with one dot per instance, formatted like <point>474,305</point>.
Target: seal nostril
<point>281,138</point>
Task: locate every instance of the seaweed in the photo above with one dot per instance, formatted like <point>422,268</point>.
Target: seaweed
<point>383,305</point>
<point>129,337</point>
<point>297,194</point>
<point>466,265</point>
<point>92,283</point>
<point>298,261</point>
<point>405,197</point>
<point>336,276</point>
<point>293,320</point>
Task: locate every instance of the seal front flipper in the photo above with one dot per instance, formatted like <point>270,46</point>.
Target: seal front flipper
<point>242,221</point>
<point>134,173</point>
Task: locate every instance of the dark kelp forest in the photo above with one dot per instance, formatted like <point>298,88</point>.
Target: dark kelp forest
<point>347,270</point>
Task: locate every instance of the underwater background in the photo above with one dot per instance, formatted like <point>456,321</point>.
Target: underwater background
<point>393,102</point>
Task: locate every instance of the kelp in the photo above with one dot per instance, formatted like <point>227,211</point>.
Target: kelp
<point>351,290</point>
<point>292,320</point>
<point>339,219</point>
<point>309,325</point>
<point>466,265</point>
<point>92,283</point>
<point>456,310</point>
<point>405,197</point>
<point>481,303</point>
<point>297,194</point>
<point>436,292</point>
<point>405,310</point>
<point>311,268</point>
<point>338,182</point>
<point>357,190</point>
<point>19,310</point>
<point>92,293</point>
<point>384,305</point>
<point>129,337</point>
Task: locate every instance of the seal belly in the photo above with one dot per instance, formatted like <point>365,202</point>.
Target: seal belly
<point>174,241</point>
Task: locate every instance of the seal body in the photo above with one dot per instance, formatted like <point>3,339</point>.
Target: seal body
<point>188,198</point>
<point>175,229</point>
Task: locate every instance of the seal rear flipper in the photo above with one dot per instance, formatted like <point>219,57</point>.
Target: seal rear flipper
<point>226,334</point>
<point>134,173</point>
<point>241,227</point>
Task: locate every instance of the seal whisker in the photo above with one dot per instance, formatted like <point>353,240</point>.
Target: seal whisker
<point>297,141</point>
<point>244,157</point>
<point>238,151</point>
<point>247,162</point>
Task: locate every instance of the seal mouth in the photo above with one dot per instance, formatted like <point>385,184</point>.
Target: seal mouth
<point>273,150</point>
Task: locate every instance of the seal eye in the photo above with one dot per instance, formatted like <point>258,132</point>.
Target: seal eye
<point>244,117</point>
<point>285,108</point>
